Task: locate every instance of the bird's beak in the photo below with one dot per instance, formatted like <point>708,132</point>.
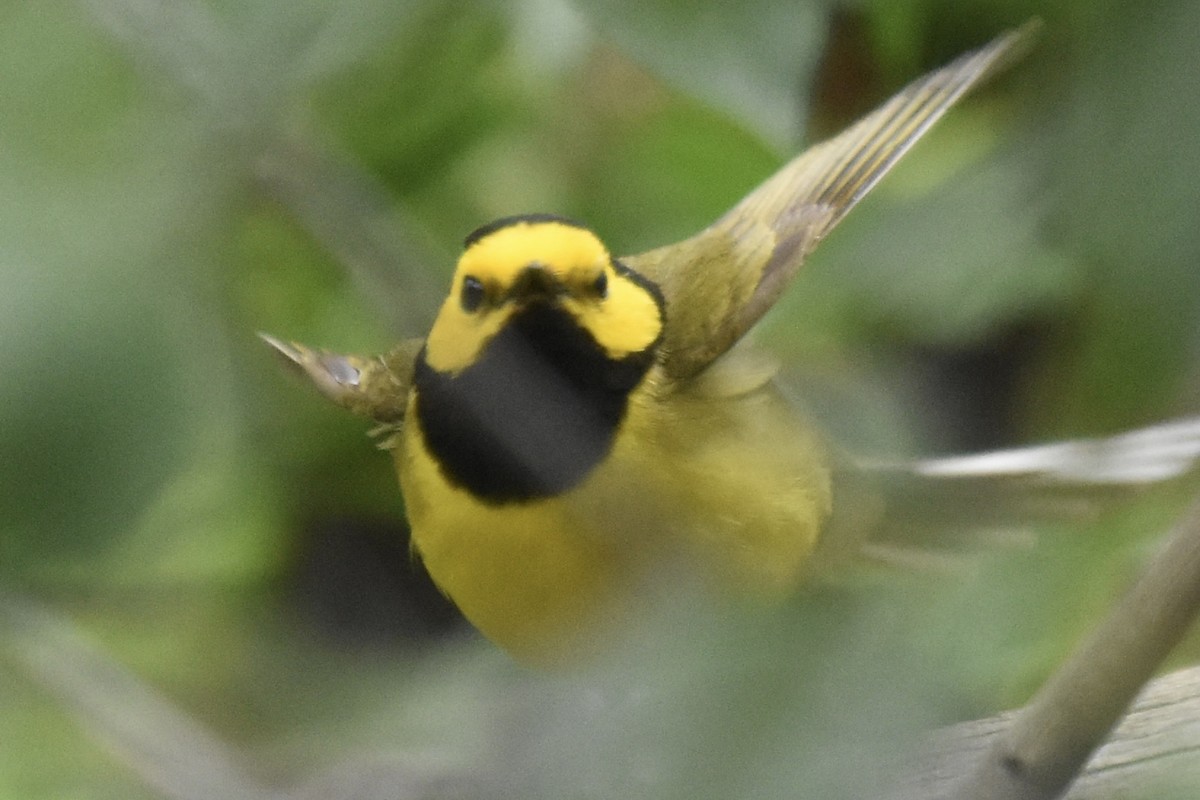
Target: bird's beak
<point>535,283</point>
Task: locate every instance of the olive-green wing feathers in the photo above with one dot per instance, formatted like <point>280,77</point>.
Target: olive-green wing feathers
<point>718,283</point>
<point>721,281</point>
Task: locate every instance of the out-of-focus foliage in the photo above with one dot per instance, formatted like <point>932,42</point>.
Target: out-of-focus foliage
<point>182,516</point>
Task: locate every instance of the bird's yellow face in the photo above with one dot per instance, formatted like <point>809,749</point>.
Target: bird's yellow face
<point>526,376</point>
<point>515,263</point>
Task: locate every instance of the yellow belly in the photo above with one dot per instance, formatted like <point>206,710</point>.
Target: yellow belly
<point>728,488</point>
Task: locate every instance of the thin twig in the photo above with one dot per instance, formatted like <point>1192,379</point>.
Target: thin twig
<point>351,215</point>
<point>165,747</point>
<point>1155,747</point>
<point>1052,738</point>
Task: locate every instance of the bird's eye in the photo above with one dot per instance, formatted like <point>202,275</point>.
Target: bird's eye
<point>600,285</point>
<point>472,294</point>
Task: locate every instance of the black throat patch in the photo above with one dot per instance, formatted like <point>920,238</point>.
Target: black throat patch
<point>534,415</point>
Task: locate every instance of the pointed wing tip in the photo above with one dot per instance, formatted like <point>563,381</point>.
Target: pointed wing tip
<point>269,339</point>
<point>366,386</point>
<point>1012,45</point>
<point>1027,33</point>
<point>335,376</point>
<point>290,352</point>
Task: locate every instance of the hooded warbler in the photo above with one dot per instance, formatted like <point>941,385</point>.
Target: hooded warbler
<point>575,423</point>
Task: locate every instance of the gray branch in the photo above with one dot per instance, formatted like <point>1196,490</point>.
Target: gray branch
<point>1156,746</point>
<point>1038,752</point>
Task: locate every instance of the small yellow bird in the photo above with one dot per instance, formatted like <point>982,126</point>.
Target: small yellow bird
<point>577,425</point>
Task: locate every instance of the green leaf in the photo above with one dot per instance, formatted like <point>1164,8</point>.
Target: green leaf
<point>752,60</point>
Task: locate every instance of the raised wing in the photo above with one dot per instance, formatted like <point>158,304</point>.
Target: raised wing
<point>721,281</point>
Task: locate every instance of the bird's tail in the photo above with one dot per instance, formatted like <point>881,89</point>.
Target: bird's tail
<point>917,509</point>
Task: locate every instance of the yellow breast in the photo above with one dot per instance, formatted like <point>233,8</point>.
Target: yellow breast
<point>726,488</point>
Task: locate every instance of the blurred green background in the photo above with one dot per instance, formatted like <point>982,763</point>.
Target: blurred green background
<point>204,588</point>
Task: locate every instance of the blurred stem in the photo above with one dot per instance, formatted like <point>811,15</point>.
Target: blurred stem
<point>1052,738</point>
<point>353,218</point>
<point>345,209</point>
<point>169,750</point>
